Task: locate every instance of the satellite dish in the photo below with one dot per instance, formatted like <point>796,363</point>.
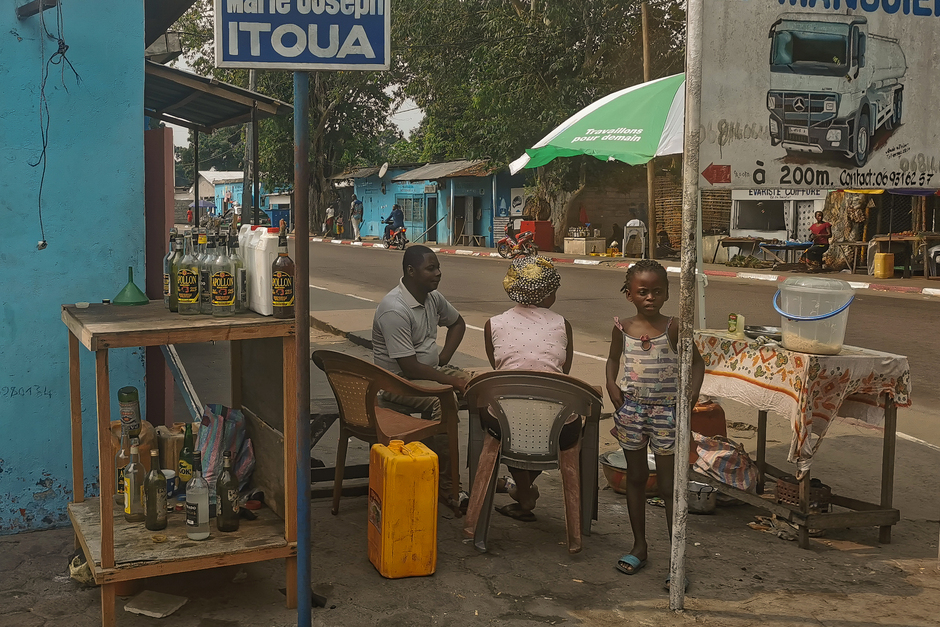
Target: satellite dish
<point>383,169</point>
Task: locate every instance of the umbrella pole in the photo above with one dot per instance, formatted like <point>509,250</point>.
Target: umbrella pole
<point>196,178</point>
<point>651,238</point>
<point>690,175</point>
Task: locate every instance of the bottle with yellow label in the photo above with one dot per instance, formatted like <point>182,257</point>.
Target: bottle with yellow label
<point>222,280</point>
<point>402,527</point>
<point>187,280</point>
<point>282,281</point>
<point>134,487</point>
<point>184,469</point>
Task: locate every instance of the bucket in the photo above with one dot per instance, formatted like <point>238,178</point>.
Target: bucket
<point>884,265</point>
<point>702,498</point>
<point>814,313</point>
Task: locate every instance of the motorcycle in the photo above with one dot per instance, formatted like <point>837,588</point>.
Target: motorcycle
<point>511,247</point>
<point>396,237</point>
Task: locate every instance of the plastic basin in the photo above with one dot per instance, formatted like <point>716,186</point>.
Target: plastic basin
<point>814,314</point>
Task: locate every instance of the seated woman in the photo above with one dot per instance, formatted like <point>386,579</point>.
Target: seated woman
<point>530,337</point>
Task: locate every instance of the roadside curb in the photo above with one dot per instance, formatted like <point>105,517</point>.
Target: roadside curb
<point>747,276</point>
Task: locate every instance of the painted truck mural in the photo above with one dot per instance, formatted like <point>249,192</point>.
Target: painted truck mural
<point>832,84</point>
<point>826,95</point>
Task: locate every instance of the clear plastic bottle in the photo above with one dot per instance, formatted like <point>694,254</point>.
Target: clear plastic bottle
<point>197,502</point>
<point>241,275</point>
<point>187,280</point>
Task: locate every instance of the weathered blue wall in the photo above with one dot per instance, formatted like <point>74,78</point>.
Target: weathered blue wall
<point>93,213</point>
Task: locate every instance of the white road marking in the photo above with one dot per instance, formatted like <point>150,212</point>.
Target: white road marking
<point>930,291</point>
<point>580,354</point>
<point>317,287</point>
<point>858,286</point>
<point>470,326</point>
<point>360,297</point>
<point>757,277</point>
<point>911,438</point>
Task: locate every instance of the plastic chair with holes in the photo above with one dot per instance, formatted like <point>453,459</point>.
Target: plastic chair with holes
<point>532,408</point>
<point>356,384</point>
<point>639,232</point>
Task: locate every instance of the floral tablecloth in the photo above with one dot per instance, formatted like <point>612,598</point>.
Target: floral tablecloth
<point>810,390</point>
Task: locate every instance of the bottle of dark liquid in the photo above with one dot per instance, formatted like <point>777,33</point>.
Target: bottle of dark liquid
<point>155,491</point>
<point>282,281</point>
<point>134,487</point>
<point>226,487</point>
<point>129,402</point>
<point>185,468</point>
<point>197,502</point>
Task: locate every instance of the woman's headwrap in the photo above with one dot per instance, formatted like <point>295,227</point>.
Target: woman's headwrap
<point>531,279</point>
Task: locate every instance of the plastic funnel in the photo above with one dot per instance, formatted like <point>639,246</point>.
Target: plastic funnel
<point>130,294</point>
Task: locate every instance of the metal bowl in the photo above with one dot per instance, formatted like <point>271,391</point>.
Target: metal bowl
<point>755,332</point>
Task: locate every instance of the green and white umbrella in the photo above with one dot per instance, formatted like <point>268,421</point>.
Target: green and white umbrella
<point>632,125</point>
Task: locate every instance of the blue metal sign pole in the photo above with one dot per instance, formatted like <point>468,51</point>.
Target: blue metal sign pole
<point>302,329</point>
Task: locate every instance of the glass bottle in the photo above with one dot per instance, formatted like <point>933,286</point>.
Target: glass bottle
<point>197,502</point>
<point>174,269</point>
<point>187,280</point>
<point>121,460</point>
<point>129,403</point>
<point>184,469</point>
<point>155,491</point>
<point>282,281</point>
<point>205,273</point>
<point>134,486</point>
<point>226,489</point>
<point>223,282</point>
<point>241,275</point>
<point>167,260</point>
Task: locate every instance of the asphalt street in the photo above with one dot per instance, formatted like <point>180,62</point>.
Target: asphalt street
<point>590,296</point>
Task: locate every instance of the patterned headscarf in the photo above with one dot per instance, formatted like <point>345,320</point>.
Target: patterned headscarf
<point>531,279</point>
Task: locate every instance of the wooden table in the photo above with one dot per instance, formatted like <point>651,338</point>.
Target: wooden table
<point>118,551</point>
<point>788,249</point>
<point>855,247</point>
<point>739,243</point>
<point>810,390</point>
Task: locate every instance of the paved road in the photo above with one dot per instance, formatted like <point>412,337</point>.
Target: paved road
<point>590,296</point>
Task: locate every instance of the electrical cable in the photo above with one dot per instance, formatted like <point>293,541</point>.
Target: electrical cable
<point>56,58</point>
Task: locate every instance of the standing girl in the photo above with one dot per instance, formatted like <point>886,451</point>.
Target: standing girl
<point>643,383</point>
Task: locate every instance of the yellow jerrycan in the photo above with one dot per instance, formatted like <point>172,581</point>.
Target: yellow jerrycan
<point>402,527</point>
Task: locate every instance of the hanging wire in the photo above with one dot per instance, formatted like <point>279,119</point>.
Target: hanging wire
<point>56,58</point>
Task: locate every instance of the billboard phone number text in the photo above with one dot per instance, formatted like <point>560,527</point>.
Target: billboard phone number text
<point>819,177</point>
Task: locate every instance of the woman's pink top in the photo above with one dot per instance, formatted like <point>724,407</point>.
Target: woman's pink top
<point>528,337</point>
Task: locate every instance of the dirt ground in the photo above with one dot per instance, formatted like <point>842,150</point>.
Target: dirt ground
<point>738,576</point>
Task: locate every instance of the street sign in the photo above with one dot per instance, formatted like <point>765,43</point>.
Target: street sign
<point>301,35</point>
<point>820,95</point>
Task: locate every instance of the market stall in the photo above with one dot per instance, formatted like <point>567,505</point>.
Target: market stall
<point>118,551</point>
<point>811,391</point>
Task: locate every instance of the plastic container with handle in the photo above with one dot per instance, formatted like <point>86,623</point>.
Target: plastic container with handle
<point>402,527</point>
<point>814,314</point>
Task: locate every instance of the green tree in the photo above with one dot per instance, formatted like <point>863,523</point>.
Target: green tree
<point>493,76</point>
<point>222,150</point>
<point>349,114</point>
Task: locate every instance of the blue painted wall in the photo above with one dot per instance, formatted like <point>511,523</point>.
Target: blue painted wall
<point>93,213</point>
<point>236,194</point>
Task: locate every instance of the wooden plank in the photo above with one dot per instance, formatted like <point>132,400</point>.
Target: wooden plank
<point>854,504</point>
<point>842,520</point>
<point>137,556</point>
<point>34,8</point>
<point>887,463</point>
<point>761,449</point>
<point>779,509</point>
<point>107,326</point>
<point>108,617</point>
<point>75,408</point>
<point>263,380</point>
<point>289,351</point>
<point>268,475</point>
<point>105,461</point>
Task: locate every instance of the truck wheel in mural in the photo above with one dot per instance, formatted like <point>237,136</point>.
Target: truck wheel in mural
<point>862,141</point>
<point>895,119</point>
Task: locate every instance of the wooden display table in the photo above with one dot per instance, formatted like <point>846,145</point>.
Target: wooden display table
<point>810,391</point>
<point>119,551</point>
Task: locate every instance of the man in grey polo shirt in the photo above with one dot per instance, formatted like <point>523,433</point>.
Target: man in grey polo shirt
<point>404,338</point>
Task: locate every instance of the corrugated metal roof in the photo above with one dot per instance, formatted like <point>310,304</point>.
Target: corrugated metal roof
<point>355,173</point>
<point>222,176</point>
<point>201,103</point>
<point>448,169</point>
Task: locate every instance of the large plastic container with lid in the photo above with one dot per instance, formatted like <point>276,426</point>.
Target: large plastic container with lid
<point>263,251</point>
<point>814,313</point>
<point>402,527</point>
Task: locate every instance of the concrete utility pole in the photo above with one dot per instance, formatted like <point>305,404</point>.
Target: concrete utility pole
<point>687,278</point>
<point>651,239</point>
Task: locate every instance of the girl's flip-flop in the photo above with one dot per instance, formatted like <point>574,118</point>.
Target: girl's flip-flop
<point>515,511</point>
<point>630,564</point>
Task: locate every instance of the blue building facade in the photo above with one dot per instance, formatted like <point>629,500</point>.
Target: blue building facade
<point>438,210</point>
<point>93,233</point>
